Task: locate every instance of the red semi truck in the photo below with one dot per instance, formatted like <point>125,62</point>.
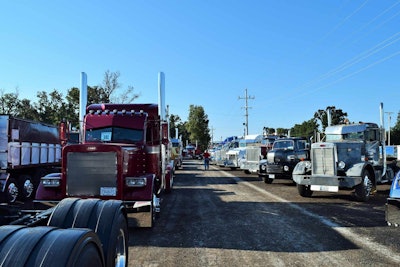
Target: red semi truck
<point>123,156</point>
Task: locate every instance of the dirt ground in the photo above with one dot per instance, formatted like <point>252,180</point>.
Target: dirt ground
<point>227,218</point>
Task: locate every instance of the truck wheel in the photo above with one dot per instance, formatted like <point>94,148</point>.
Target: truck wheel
<point>364,189</point>
<point>169,182</point>
<point>105,218</point>
<point>11,190</point>
<point>49,246</point>
<point>26,187</point>
<point>304,190</point>
<point>267,180</point>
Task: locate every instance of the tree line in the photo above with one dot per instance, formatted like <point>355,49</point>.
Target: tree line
<point>53,107</point>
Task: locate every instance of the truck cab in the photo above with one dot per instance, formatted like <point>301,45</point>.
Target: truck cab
<point>283,157</point>
<point>352,156</point>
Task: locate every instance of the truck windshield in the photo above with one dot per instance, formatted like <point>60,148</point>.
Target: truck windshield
<point>357,136</point>
<point>114,135</point>
<point>283,145</point>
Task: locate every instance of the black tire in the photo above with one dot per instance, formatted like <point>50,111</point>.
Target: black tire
<point>247,172</point>
<point>364,189</point>
<point>49,246</point>
<point>26,187</point>
<point>106,218</point>
<point>304,190</point>
<point>170,183</point>
<point>267,180</point>
<point>11,190</point>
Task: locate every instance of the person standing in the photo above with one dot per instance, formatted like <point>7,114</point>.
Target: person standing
<point>206,157</point>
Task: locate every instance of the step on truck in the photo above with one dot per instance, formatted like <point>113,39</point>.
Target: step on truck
<point>352,156</point>
<point>28,150</point>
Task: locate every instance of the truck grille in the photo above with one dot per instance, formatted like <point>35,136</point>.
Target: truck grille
<point>88,172</point>
<point>253,153</point>
<point>323,161</point>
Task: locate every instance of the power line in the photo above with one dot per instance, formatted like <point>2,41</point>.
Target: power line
<point>246,107</point>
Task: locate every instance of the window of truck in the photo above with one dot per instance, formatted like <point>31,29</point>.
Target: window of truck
<point>114,135</point>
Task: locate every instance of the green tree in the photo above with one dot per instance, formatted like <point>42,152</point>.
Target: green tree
<point>27,110</point>
<point>197,126</point>
<point>337,116</point>
<point>174,121</point>
<point>306,129</point>
<point>9,103</point>
<point>395,132</point>
<point>282,131</point>
<point>268,130</point>
<point>51,107</point>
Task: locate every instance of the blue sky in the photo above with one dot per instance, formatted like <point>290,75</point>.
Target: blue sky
<point>294,57</point>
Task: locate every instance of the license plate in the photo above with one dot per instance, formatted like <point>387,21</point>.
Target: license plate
<point>108,191</point>
<point>325,188</point>
<point>271,175</point>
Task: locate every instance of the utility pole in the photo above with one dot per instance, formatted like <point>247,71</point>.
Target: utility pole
<point>212,135</point>
<point>246,107</point>
<point>389,114</point>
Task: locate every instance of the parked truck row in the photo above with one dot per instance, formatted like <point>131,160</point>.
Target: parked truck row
<point>348,157</point>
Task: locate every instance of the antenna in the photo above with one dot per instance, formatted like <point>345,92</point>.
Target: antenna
<point>246,107</point>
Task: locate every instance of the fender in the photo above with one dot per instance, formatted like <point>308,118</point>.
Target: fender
<point>49,188</point>
<point>3,181</point>
<point>302,167</point>
<point>395,188</point>
<point>356,169</point>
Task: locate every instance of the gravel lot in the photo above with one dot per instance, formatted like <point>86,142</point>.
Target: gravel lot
<point>221,217</point>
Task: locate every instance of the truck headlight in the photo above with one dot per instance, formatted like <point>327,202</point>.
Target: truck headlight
<point>136,181</point>
<point>291,157</point>
<point>286,168</point>
<point>341,165</point>
<point>51,182</point>
<point>263,167</point>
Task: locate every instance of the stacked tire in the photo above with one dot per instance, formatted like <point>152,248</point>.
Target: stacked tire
<point>89,232</point>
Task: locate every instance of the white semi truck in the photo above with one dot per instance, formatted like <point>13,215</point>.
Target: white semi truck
<point>352,156</point>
